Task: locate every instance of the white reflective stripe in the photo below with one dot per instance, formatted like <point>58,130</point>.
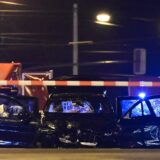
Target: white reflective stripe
<point>26,82</point>
<point>147,84</point>
<point>97,83</point>
<point>49,83</point>
<point>3,82</point>
<point>88,143</point>
<point>119,83</point>
<point>73,83</point>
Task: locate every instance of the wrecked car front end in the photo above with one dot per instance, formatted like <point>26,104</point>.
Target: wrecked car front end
<point>80,120</point>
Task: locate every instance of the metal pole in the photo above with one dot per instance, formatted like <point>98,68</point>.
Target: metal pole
<point>75,39</point>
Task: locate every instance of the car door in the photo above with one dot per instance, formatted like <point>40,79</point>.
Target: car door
<point>138,122</point>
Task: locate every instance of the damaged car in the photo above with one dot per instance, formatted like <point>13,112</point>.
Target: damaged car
<point>80,118</point>
<point>20,124</point>
<point>139,121</point>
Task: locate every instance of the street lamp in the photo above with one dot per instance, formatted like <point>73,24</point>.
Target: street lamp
<point>103,17</point>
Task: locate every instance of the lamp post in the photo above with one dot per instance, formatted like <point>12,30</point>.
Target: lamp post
<point>100,18</point>
<point>75,39</point>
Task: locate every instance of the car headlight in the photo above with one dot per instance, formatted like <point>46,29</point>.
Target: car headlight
<point>51,125</point>
<point>69,125</point>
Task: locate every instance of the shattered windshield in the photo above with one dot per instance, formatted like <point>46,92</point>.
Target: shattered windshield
<point>79,104</point>
<point>155,103</point>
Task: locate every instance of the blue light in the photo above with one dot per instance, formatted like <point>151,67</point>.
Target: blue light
<point>142,95</point>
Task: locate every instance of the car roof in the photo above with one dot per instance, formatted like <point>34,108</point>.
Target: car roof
<point>91,77</point>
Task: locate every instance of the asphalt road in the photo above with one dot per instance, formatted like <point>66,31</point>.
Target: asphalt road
<point>79,154</point>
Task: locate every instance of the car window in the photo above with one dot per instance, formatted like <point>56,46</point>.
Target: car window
<point>155,104</point>
<point>9,108</point>
<point>78,105</point>
<point>141,109</point>
<point>126,104</point>
<point>72,107</point>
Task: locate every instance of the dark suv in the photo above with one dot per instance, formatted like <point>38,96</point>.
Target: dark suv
<point>20,124</point>
<point>80,117</point>
<point>139,121</point>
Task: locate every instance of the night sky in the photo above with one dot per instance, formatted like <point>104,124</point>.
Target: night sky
<point>36,33</point>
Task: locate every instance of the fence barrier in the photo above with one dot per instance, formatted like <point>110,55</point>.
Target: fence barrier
<point>80,83</point>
